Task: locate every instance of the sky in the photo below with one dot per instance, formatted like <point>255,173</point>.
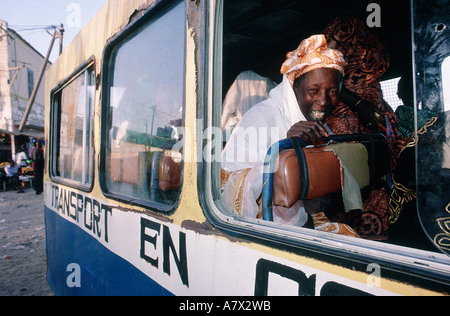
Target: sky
<point>29,18</point>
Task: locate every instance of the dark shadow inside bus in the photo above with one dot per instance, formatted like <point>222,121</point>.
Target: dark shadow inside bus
<point>257,35</point>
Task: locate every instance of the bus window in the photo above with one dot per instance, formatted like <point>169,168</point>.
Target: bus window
<point>144,88</point>
<point>256,37</point>
<point>72,143</point>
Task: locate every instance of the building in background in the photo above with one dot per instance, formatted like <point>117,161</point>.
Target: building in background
<point>20,65</point>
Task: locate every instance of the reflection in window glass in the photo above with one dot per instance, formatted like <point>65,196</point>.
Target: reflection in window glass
<point>75,149</point>
<point>145,107</point>
<point>446,83</point>
<point>446,93</point>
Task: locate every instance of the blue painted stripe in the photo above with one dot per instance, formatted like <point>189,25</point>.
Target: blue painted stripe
<point>102,271</point>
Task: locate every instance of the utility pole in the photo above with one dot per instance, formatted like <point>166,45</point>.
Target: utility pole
<point>153,120</point>
<point>56,33</point>
<point>61,32</point>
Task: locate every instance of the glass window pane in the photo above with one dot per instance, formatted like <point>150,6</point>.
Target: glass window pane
<point>145,107</point>
<point>75,138</point>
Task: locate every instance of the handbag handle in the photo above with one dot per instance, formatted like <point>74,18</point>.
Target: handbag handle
<point>303,164</point>
<point>269,165</point>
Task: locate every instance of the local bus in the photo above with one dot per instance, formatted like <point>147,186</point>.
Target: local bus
<point>133,204</point>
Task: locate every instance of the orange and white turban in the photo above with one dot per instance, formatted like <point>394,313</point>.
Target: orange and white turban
<point>312,53</point>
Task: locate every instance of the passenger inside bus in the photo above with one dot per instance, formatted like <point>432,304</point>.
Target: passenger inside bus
<point>405,112</point>
<point>361,108</point>
<point>405,227</point>
<point>256,36</point>
<point>308,93</point>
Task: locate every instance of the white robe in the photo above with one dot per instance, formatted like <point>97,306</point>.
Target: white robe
<point>264,124</point>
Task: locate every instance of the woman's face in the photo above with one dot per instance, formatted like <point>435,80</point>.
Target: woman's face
<point>317,92</point>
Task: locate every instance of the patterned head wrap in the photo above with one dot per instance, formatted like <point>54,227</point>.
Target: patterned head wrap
<point>312,53</point>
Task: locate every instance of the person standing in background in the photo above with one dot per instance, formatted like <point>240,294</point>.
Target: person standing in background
<point>38,160</point>
<point>21,157</point>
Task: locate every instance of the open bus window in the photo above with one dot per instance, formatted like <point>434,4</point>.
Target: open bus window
<point>143,110</point>
<point>256,38</point>
<point>73,118</point>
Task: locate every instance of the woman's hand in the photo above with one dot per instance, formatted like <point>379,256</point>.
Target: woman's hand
<point>311,132</point>
<point>370,115</point>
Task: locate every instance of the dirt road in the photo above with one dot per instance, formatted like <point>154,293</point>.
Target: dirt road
<point>22,245</point>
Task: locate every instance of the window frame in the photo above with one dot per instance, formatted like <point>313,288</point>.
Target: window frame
<point>297,239</point>
<point>55,120</point>
<point>30,81</point>
<point>150,16</point>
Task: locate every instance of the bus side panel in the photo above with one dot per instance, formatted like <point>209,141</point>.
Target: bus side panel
<point>94,248</point>
<point>80,265</point>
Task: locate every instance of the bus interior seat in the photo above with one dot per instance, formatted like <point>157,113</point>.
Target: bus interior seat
<point>247,89</point>
<point>124,167</point>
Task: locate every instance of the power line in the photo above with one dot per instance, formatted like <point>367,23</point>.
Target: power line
<point>33,29</point>
<point>19,28</point>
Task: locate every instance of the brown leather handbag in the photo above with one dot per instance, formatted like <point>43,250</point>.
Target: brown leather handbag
<point>317,172</point>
